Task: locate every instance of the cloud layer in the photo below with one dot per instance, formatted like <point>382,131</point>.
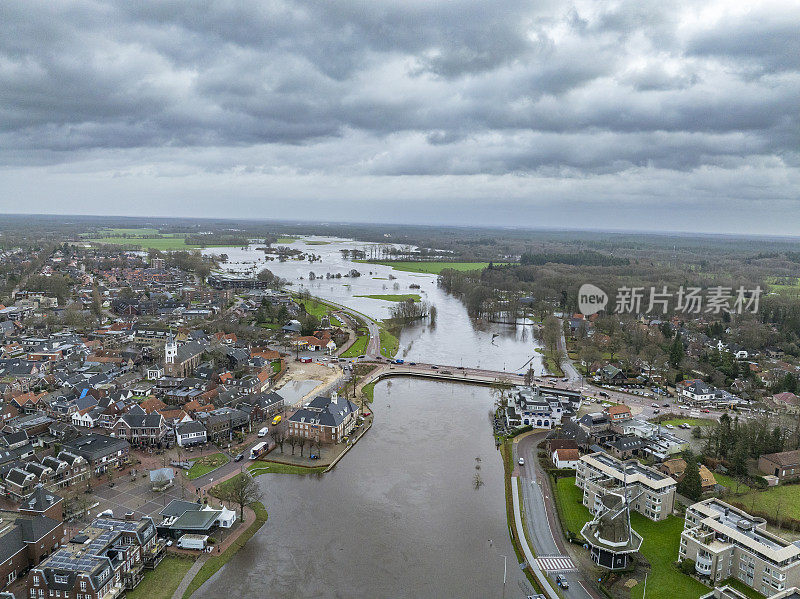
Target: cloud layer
<point>614,108</point>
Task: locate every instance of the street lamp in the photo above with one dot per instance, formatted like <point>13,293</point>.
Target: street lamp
<point>505,563</point>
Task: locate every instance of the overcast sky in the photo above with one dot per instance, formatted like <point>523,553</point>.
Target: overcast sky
<point>639,114</point>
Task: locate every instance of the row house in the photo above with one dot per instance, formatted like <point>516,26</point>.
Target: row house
<point>222,423</point>
<point>101,452</point>
<point>104,561</point>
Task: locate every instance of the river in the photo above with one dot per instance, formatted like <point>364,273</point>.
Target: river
<point>455,340</point>
<point>398,517</point>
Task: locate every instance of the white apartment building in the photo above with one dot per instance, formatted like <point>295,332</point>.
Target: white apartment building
<point>725,542</point>
<point>650,492</point>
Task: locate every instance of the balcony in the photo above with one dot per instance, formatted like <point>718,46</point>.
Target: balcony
<point>132,578</point>
<point>153,556</point>
<point>703,565</point>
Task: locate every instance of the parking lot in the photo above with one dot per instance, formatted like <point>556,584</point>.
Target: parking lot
<point>134,494</point>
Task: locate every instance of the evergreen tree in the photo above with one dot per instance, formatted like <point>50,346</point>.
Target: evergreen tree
<point>676,351</point>
<point>691,485</point>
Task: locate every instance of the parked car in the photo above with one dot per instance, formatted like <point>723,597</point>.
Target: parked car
<point>522,461</point>
<point>603,394</point>
<point>239,457</point>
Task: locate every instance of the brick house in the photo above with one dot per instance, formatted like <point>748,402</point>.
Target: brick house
<point>784,465</point>
<point>327,419</point>
<point>140,428</point>
<point>24,542</point>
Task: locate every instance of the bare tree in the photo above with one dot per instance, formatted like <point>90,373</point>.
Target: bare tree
<point>292,440</point>
<point>279,435</point>
<point>241,490</point>
<point>301,441</point>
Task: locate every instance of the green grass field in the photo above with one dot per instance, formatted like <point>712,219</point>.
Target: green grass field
<point>730,483</point>
<point>784,500</point>
<point>162,582</point>
<point>285,240</point>
<point>312,242</point>
<point>145,239</point>
<point>394,297</point>
<point>390,344</point>
<point>369,391</point>
<point>206,464</point>
<point>433,268</point>
<point>156,243</point>
<point>571,510</point>
<point>786,286</point>
<point>315,308</point>
<point>660,548</point>
<point>358,347</point>
<point>262,467</point>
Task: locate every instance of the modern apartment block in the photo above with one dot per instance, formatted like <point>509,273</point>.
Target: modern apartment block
<point>650,492</point>
<point>726,542</point>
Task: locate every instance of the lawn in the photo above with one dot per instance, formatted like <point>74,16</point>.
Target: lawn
<point>369,391</point>
<point>318,242</point>
<point>316,308</point>
<point>390,344</point>
<point>162,582</point>
<point>742,588</point>
<point>206,464</point>
<point>433,268</point>
<point>262,467</point>
<point>730,483</point>
<point>690,421</point>
<point>156,243</point>
<point>358,348</point>
<point>276,366</point>
<point>286,240</point>
<point>660,548</point>
<point>569,500</point>
<point>784,499</point>
<point>215,562</point>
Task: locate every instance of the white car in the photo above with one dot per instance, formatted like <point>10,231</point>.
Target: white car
<point>522,461</point>
<point>669,426</point>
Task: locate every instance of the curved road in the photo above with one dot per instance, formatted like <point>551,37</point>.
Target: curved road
<point>541,521</point>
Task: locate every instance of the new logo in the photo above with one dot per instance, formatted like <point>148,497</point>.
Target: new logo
<point>591,299</point>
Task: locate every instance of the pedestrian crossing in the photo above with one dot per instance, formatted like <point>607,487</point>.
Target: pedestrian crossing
<point>556,563</point>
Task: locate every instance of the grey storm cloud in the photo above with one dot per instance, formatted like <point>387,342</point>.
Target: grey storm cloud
<point>559,90</point>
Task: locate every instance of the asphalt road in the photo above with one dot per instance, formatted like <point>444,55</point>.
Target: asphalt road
<point>543,530</point>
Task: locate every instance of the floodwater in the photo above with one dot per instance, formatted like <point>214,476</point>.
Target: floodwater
<point>398,517</point>
<point>455,340</point>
